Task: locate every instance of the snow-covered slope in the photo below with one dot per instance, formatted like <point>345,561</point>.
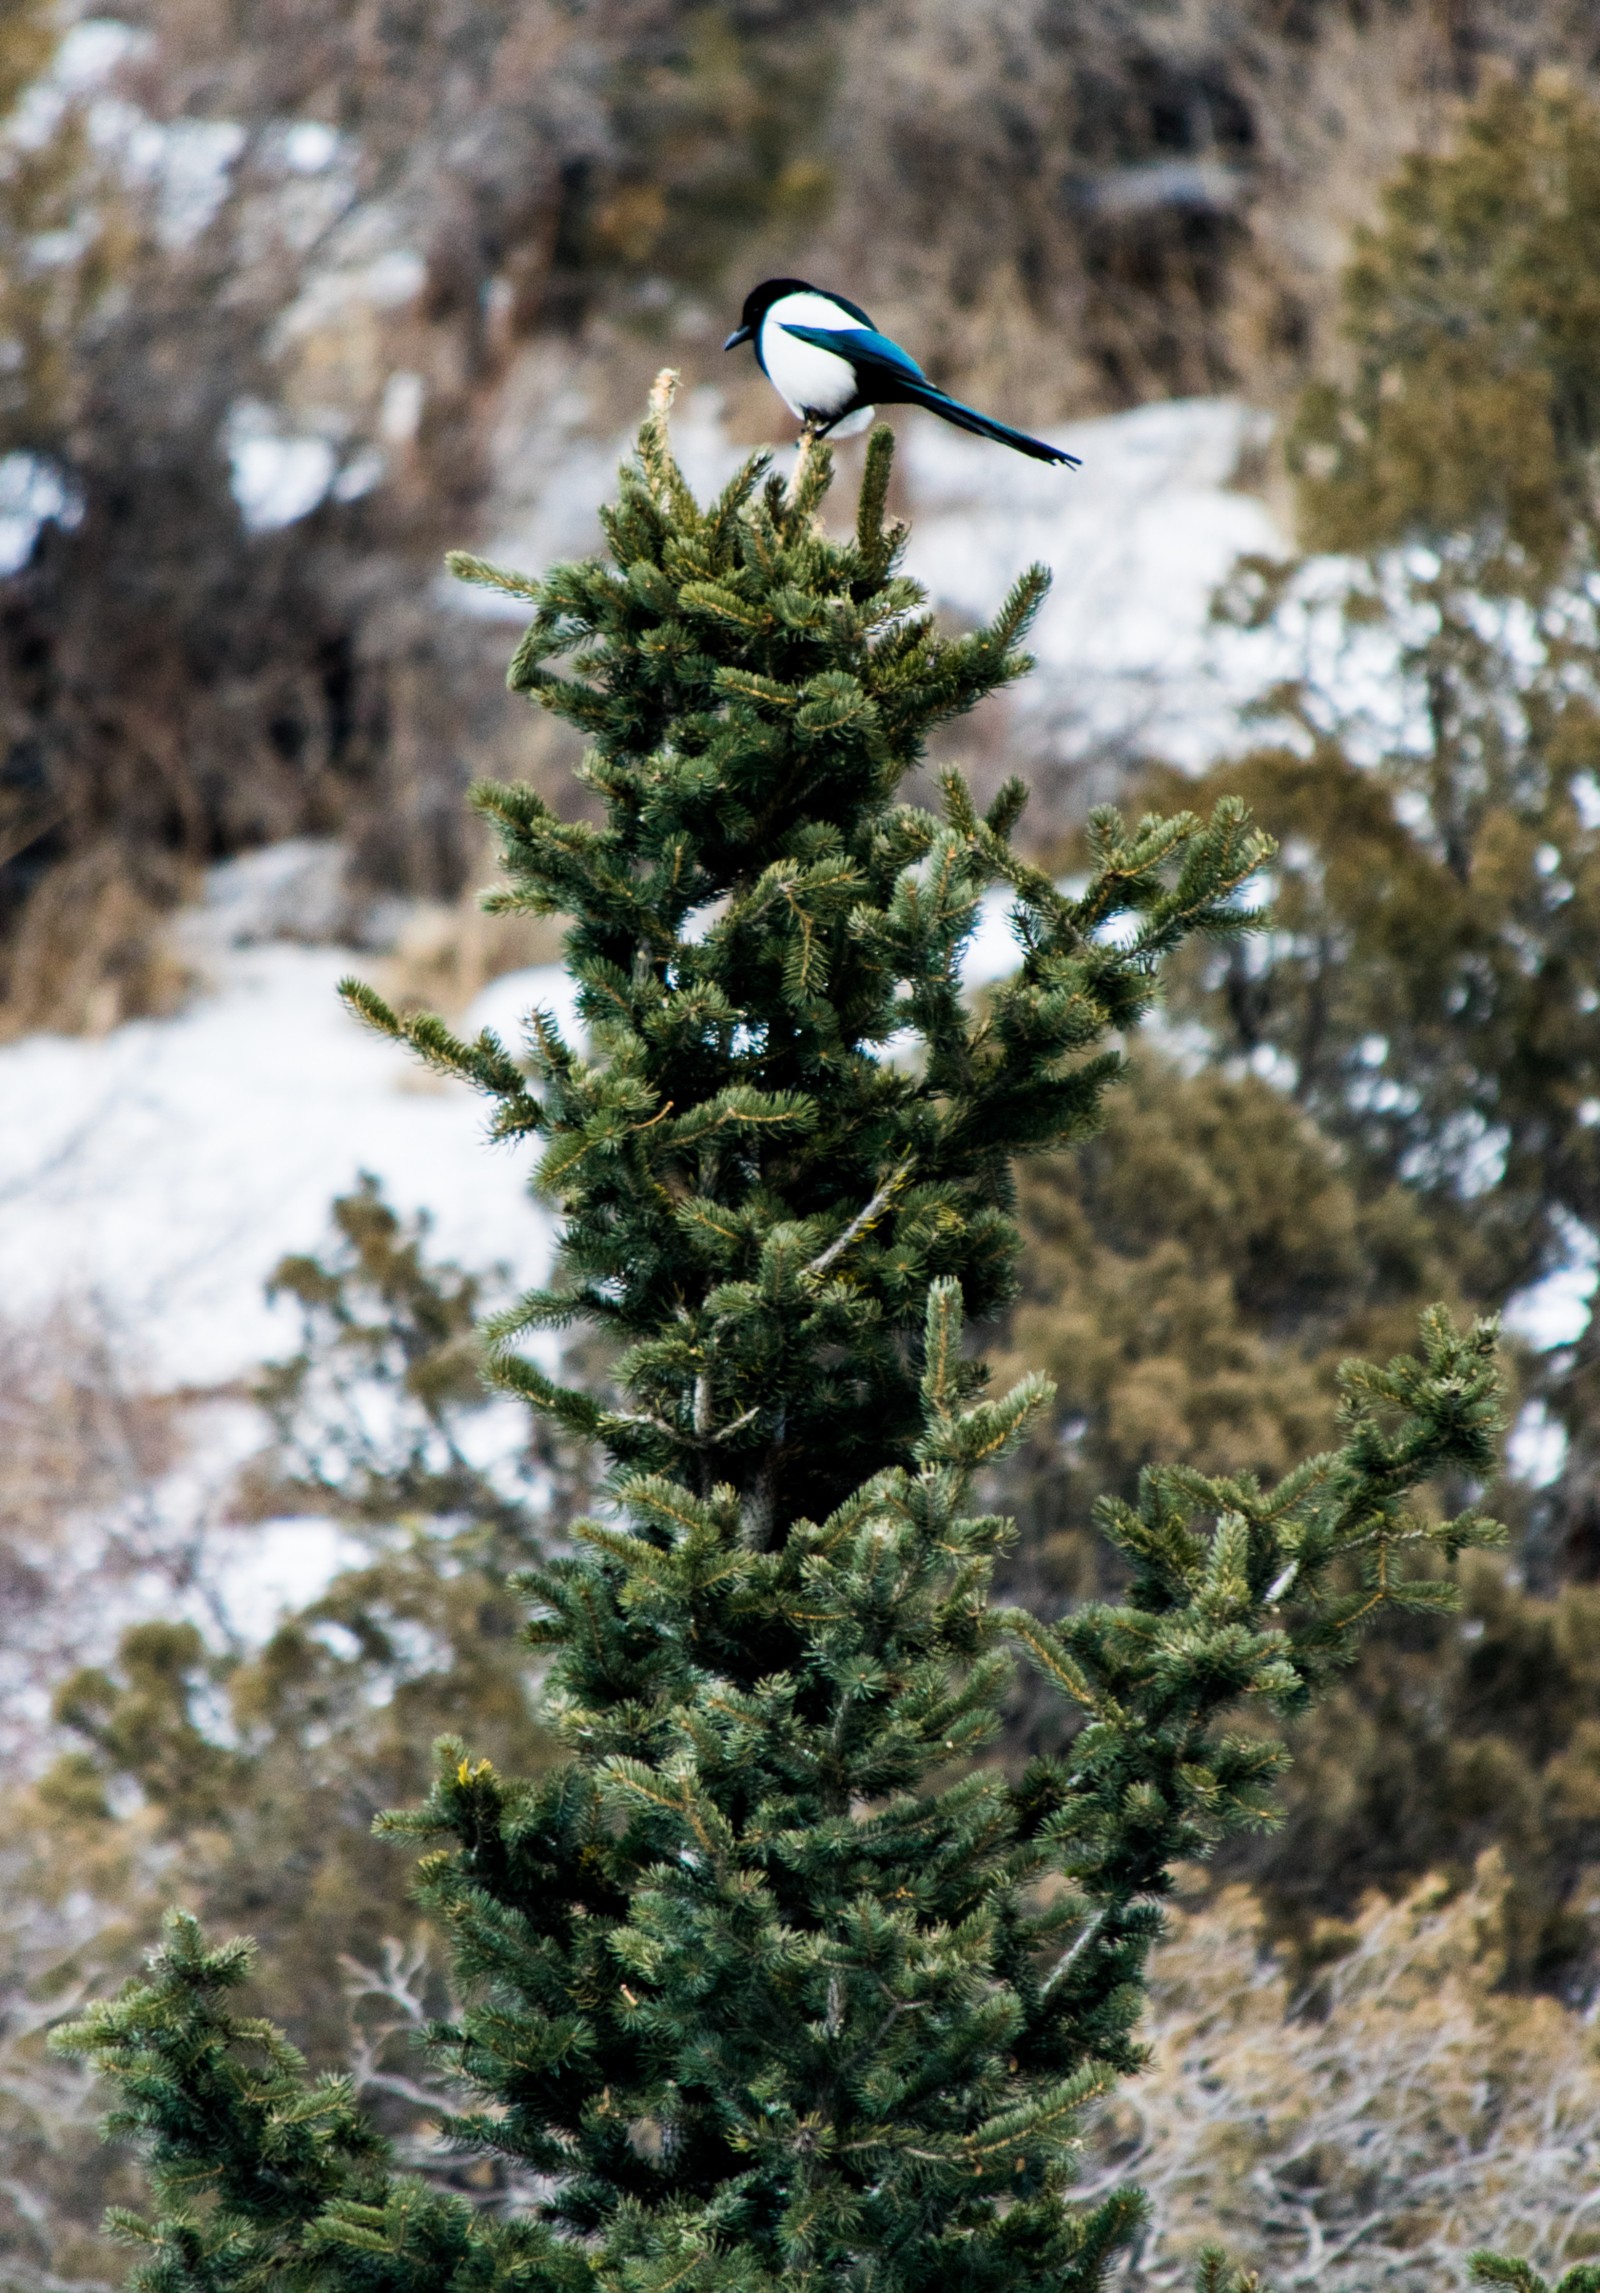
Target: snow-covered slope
<point>163,1169</point>
<point>1136,541</point>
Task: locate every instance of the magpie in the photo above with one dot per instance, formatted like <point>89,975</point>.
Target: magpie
<point>832,368</point>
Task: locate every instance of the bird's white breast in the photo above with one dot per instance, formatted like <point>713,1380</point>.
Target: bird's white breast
<point>809,380</point>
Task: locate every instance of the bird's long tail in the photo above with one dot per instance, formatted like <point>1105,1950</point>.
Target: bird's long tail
<point>984,426</point>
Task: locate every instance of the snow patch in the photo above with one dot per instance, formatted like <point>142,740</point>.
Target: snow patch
<point>366,272</point>
<point>272,1568</point>
<point>400,414</point>
<point>1536,1447</point>
<point>992,952</point>
<point>293,890</point>
<point>165,1168</point>
<point>32,493</point>
<point>1137,542</point>
<point>1555,1310</point>
<point>503,1006</point>
<point>310,146</point>
<point>278,476</point>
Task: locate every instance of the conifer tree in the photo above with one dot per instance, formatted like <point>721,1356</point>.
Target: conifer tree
<point>774,1981</point>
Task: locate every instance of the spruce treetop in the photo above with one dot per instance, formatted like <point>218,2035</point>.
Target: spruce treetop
<point>775,1981</point>
<point>758,1181</point>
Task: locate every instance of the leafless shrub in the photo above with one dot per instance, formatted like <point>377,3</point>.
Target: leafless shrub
<point>393,2000</point>
<point>1372,2130</point>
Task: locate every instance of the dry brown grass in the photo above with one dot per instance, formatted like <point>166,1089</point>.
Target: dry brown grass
<point>92,948</point>
<point>447,951</point>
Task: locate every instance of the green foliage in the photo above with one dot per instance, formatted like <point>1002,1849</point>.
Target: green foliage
<point>241,1781</point>
<point>1441,911</point>
<point>755,1197</point>
<point>230,2113</point>
<point>1214,2273</point>
<point>774,1980</point>
<point>1450,1737</point>
<point>1431,995</point>
<point>1500,2269</point>
<point>1504,2271</point>
<point>747,1988</point>
<point>141,1723</point>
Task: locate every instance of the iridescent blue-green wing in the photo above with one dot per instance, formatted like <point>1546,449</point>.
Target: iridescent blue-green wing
<point>867,350</point>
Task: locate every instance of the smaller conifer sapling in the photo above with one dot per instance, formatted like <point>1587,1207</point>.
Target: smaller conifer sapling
<point>776,1981</point>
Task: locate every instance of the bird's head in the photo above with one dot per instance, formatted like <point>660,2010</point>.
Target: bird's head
<point>758,302</point>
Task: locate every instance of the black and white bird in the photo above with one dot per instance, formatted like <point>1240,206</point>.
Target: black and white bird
<point>833,369</point>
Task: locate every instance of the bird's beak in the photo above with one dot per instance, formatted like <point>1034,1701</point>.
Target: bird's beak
<point>739,334</point>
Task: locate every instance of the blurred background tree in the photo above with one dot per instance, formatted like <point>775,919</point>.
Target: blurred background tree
<point>1430,994</point>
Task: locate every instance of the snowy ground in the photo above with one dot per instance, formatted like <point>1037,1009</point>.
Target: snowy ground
<point>162,1169</point>
<point>1136,541</point>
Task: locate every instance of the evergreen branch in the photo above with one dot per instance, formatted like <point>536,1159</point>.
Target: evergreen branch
<point>655,452</point>
<point>1075,1950</point>
<point>219,2098</point>
<point>621,1418</point>
<point>483,1063</point>
<point>810,480</point>
<point>1214,2273</point>
<point>478,570</point>
<point>862,1222</point>
<point>1052,1658</point>
<point>578,1412</point>
<point>876,541</point>
<point>1041,2115</point>
<point>1007,808</point>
